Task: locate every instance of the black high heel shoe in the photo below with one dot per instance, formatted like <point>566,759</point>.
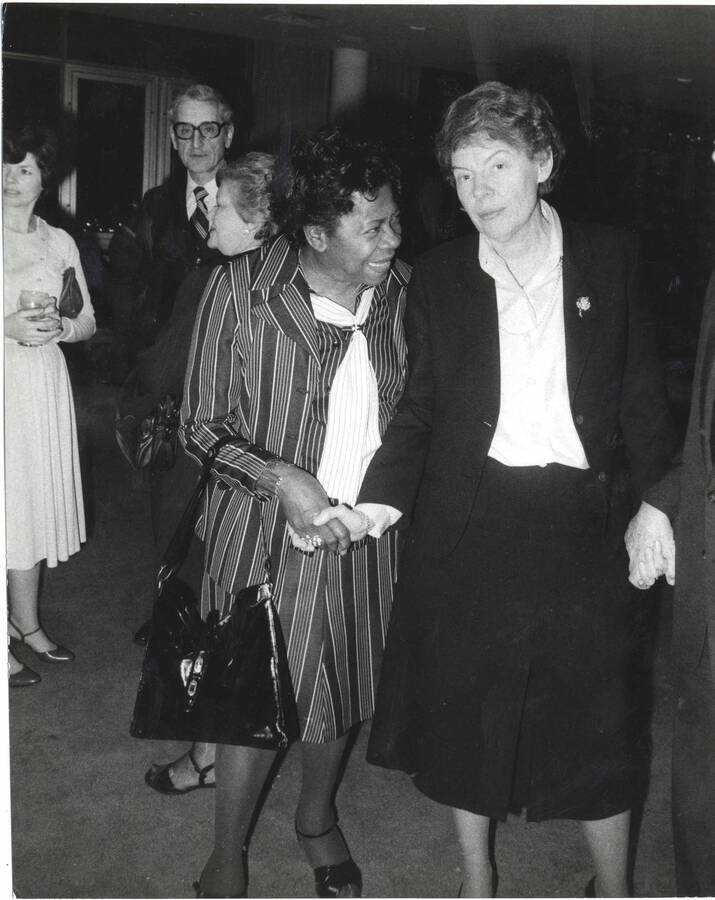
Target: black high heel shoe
<point>344,879</point>
<point>58,655</point>
<point>590,889</point>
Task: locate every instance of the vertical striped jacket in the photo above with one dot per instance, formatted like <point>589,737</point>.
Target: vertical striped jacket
<point>254,371</point>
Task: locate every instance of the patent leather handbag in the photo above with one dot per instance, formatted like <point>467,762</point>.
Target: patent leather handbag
<point>158,436</point>
<point>222,680</point>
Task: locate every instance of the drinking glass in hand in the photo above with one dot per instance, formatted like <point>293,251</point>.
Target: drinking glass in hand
<point>38,300</point>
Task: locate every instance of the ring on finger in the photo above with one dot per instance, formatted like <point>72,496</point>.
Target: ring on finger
<point>316,540</point>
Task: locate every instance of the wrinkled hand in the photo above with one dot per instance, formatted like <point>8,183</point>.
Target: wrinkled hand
<point>33,327</point>
<point>650,546</point>
<point>356,523</point>
<point>302,497</point>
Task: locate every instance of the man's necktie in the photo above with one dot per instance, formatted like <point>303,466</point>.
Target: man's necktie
<point>200,218</point>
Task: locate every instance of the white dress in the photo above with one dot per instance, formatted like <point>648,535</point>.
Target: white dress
<point>43,489</point>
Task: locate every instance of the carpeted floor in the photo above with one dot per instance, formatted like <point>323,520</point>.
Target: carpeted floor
<point>85,825</point>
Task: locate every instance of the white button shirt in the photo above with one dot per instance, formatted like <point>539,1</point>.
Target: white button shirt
<point>535,425</point>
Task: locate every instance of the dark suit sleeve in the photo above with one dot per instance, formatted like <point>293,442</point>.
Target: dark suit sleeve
<point>214,380</point>
<point>665,495</point>
<point>394,474</point>
<point>127,257</point>
<point>162,367</point>
<point>645,417</point>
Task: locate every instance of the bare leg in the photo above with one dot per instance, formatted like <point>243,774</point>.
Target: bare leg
<point>240,776</point>
<point>23,590</point>
<point>608,842</point>
<point>315,813</point>
<point>473,835</point>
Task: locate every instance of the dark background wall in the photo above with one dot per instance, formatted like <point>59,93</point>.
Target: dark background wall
<point>641,164</point>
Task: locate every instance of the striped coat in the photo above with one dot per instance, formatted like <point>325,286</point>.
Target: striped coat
<point>260,367</point>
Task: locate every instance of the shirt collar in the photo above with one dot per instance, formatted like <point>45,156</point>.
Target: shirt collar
<point>210,187</point>
<point>493,265</point>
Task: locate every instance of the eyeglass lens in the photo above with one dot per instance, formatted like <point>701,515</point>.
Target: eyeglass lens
<point>185,130</point>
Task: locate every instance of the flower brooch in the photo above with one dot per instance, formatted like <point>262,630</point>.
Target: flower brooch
<point>583,304</point>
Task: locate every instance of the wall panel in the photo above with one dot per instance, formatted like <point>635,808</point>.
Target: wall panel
<point>290,92</point>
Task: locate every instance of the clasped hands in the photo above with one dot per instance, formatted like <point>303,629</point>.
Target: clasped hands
<point>651,548</point>
<point>314,523</point>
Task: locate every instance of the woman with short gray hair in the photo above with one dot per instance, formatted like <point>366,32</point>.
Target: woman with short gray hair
<point>533,376</point>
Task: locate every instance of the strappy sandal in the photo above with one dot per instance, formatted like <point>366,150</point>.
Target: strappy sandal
<point>158,777</point>
<point>343,879</point>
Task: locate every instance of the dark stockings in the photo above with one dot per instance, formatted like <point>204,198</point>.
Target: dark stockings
<point>240,775</point>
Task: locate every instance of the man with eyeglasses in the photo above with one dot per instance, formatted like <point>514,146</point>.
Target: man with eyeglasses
<point>159,264</point>
<point>150,256</point>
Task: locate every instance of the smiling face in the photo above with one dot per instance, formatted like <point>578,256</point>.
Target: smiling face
<point>361,247</point>
<point>21,182</point>
<point>230,232</point>
<point>497,185</point>
<point>201,156</point>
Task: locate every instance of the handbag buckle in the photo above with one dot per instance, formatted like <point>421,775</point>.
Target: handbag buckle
<point>192,672</point>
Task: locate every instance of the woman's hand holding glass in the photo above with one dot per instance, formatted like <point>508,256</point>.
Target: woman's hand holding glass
<point>37,320</point>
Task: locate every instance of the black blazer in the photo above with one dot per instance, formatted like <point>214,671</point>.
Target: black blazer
<point>431,459</point>
<point>151,255</point>
<point>687,495</point>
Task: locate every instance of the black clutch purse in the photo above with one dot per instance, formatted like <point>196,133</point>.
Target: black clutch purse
<point>71,301</point>
<point>222,681</point>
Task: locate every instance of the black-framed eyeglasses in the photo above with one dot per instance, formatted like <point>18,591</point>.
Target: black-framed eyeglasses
<point>184,131</point>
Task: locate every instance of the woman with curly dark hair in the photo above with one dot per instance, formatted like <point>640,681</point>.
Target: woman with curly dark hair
<point>298,352</point>
<point>43,487</point>
<point>533,380</point>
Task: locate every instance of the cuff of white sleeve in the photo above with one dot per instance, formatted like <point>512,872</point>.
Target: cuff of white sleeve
<point>381,515</point>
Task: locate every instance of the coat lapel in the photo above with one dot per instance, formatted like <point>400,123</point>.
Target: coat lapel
<point>476,307</point>
<point>581,306</point>
<point>280,295</point>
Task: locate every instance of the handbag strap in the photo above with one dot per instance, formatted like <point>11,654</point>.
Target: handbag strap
<point>178,546</point>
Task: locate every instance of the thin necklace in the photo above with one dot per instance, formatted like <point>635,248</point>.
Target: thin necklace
<point>559,278</point>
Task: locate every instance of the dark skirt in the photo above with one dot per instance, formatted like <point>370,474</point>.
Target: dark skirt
<point>504,677</point>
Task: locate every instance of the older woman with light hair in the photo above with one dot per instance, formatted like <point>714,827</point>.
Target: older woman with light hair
<point>533,380</point>
<point>244,219</point>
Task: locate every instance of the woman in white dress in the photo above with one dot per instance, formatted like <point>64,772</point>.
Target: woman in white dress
<point>45,514</point>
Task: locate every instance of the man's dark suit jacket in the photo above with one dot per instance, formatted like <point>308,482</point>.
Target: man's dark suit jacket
<point>152,254</point>
<point>431,459</point>
<point>687,496</point>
